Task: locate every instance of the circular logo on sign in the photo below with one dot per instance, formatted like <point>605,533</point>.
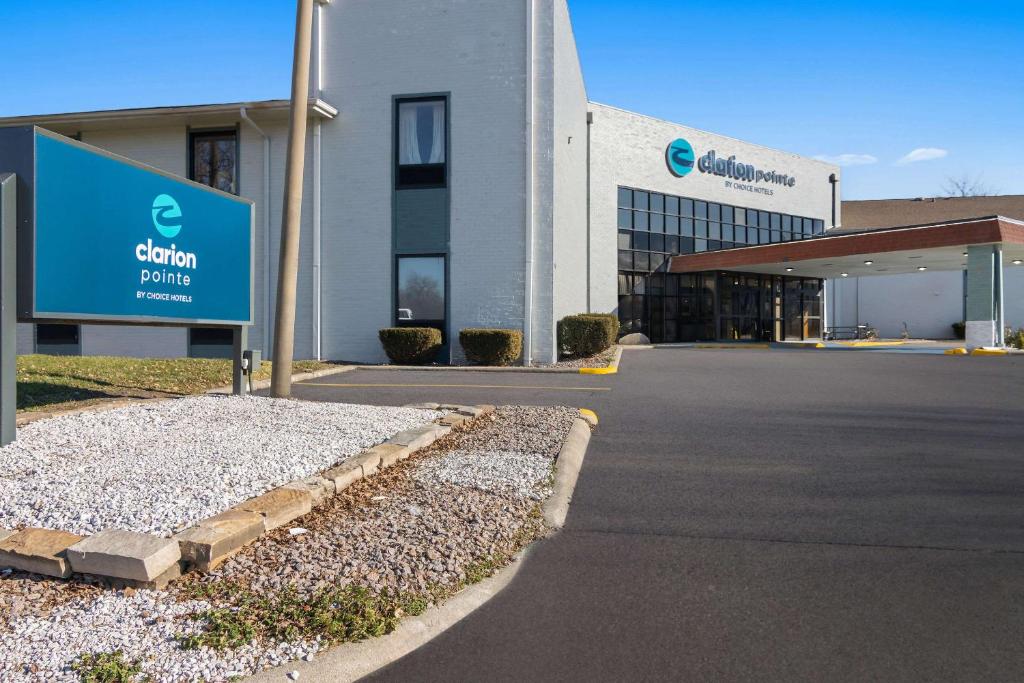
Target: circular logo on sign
<point>679,156</point>
<point>165,211</point>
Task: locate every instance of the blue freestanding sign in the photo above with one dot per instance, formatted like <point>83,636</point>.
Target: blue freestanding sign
<point>86,235</point>
<point>114,240</point>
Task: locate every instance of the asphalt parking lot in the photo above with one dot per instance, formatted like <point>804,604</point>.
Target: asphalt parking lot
<point>755,514</point>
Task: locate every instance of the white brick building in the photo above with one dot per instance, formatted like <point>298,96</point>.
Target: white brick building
<point>456,175</point>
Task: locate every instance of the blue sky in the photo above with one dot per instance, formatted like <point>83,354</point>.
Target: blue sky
<point>907,93</point>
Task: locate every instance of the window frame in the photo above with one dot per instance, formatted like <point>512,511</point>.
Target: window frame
<point>397,166</point>
<point>396,284</point>
<point>194,134</point>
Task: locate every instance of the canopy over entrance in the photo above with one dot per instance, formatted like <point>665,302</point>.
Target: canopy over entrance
<point>981,246</point>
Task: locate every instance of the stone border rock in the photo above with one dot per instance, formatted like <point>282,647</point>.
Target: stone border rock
<point>127,558</point>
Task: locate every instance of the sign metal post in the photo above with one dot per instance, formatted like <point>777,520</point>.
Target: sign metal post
<point>8,318</point>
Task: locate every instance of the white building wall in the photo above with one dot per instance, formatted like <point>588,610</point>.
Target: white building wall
<point>374,51</point>
<point>929,302</point>
<point>570,172</point>
<point>629,149</point>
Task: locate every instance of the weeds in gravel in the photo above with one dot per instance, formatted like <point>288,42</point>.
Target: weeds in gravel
<point>107,667</point>
<point>335,615</point>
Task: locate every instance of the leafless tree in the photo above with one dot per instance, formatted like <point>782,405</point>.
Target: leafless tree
<point>966,186</point>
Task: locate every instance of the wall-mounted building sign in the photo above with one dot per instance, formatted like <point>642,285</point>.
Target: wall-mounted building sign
<point>102,238</point>
<point>680,157</point>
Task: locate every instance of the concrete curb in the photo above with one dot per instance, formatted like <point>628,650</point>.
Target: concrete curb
<point>259,385</point>
<point>611,369</point>
<point>353,661</point>
<point>567,471</point>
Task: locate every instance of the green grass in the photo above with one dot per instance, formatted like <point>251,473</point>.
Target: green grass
<point>57,382</point>
<point>107,667</point>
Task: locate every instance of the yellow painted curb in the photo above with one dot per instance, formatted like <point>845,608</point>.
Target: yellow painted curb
<point>589,415</point>
<point>961,351</point>
<point>989,352</point>
<point>799,345</point>
<point>871,343</point>
<point>737,345</point>
<point>610,370</point>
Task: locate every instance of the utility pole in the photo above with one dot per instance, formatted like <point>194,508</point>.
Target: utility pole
<point>288,263</point>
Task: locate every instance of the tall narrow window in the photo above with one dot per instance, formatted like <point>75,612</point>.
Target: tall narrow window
<point>422,143</point>
<point>213,161</point>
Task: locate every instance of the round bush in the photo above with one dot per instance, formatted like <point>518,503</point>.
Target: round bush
<point>491,346</point>
<point>410,345</point>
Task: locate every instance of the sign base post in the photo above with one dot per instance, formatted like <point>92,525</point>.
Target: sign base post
<point>239,374</point>
<point>8,316</point>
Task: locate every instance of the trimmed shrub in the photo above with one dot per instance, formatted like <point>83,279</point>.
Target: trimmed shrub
<point>587,334</point>
<point>410,345</point>
<point>491,346</point>
<point>959,330</point>
<point>1015,340</point>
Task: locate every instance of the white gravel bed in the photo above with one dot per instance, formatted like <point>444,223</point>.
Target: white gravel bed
<point>161,468</point>
<point>143,626</point>
<point>524,474</point>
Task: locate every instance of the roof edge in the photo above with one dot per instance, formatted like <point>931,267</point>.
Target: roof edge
<point>316,106</point>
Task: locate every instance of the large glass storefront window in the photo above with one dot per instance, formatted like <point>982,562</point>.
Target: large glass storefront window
<point>653,227</point>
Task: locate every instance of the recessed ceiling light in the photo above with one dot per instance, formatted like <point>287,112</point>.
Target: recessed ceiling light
<point>965,253</point>
<point>869,263</point>
<point>789,270</point>
<point>1017,262</point>
<point>846,275</point>
<point>922,268</point>
<point>913,257</point>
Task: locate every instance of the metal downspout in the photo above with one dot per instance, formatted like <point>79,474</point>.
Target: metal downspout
<point>266,229</point>
<point>530,178</point>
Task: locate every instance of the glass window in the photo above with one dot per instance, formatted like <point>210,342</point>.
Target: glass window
<point>657,222</point>
<point>715,230</point>
<point>214,159</point>
<point>701,229</point>
<point>625,219</point>
<point>625,260</point>
<point>741,216</point>
<point>776,221</point>
<point>642,260</point>
<point>58,340</point>
<point>421,291</point>
<point>421,143</point>
<point>672,205</point>
<point>625,239</point>
<point>640,221</point>
<point>686,227</point>
<point>625,198</point>
<point>672,225</point>
<point>808,226</point>
<point>819,227</point>
<point>641,200</point>
<point>727,233</point>
<point>642,241</point>
<point>787,223</point>
<point>762,219</point>
<point>728,214</point>
<point>657,242</point>
<point>700,245</point>
<point>686,207</point>
<point>715,211</point>
<point>658,202</point>
<point>686,245</point>
<point>700,209</point>
<point>751,218</point>
<point>672,244</point>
